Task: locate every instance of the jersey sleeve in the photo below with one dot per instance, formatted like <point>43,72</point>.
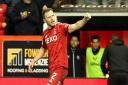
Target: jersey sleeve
<point>65,27</point>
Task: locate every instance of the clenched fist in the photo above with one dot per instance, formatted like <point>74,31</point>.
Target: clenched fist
<point>87,16</point>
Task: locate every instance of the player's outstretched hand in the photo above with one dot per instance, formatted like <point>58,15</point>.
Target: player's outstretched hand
<point>30,66</point>
<point>87,16</point>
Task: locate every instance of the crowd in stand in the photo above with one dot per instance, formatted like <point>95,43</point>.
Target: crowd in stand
<point>23,17</point>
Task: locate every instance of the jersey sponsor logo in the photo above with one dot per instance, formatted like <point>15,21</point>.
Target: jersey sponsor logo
<point>51,39</point>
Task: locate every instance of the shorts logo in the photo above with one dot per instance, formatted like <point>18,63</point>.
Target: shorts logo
<point>52,77</point>
<point>14,57</point>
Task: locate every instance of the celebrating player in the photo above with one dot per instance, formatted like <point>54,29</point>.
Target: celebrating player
<point>55,40</point>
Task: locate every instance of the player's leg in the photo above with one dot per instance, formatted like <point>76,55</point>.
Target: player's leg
<point>58,76</point>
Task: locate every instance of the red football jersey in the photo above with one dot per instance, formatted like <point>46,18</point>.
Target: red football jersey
<point>55,40</point>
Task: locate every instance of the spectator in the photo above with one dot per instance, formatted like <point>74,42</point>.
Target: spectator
<point>3,23</point>
<point>93,58</point>
<point>116,54</point>
<point>76,59</point>
<point>26,18</point>
<point>10,27</point>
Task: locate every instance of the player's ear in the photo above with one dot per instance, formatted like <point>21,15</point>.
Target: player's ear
<point>44,20</point>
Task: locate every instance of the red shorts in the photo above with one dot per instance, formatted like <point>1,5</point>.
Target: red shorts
<point>57,77</point>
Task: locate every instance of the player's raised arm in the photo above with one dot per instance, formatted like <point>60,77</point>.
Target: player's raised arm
<point>39,55</point>
<point>79,24</point>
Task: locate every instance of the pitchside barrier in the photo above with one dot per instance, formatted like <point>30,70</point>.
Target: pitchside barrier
<point>17,52</point>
